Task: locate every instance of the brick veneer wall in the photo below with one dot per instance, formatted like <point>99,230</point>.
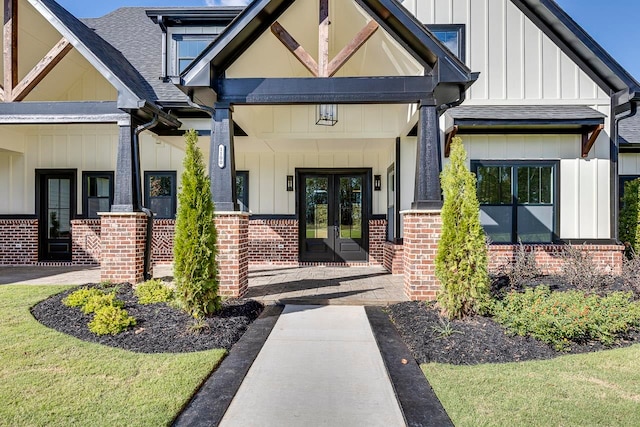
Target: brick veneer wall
<point>422,231</point>
<point>273,242</point>
<point>123,237</point>
<point>86,244</point>
<point>377,238</point>
<point>393,258</point>
<point>162,246</point>
<point>18,241</point>
<point>233,252</point>
<point>608,258</point>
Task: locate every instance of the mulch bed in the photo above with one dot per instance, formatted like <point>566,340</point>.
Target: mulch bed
<point>477,339</point>
<point>159,329</point>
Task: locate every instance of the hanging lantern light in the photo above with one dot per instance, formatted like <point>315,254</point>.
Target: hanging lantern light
<point>327,114</point>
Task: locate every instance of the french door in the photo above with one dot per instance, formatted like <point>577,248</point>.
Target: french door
<point>56,208</point>
<point>334,210</point>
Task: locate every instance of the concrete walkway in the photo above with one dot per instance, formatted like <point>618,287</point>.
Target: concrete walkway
<point>44,275</point>
<point>320,366</point>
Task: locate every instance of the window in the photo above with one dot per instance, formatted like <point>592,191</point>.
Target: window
<point>242,190</point>
<point>518,200</point>
<point>160,193</point>
<point>452,36</point>
<point>97,193</point>
<point>188,47</point>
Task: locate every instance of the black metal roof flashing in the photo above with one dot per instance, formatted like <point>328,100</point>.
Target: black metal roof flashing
<point>253,21</point>
<point>179,16</point>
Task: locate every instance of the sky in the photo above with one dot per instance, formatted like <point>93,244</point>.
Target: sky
<point>611,23</point>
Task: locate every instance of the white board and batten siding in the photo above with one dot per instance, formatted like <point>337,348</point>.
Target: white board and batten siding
<point>520,65</point>
<point>80,147</point>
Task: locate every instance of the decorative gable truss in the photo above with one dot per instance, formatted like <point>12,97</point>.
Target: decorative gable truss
<point>12,89</point>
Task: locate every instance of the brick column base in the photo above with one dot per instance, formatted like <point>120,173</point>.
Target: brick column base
<point>123,236</point>
<point>422,231</point>
<point>233,253</point>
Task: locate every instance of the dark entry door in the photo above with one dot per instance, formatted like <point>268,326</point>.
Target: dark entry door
<point>334,216</point>
<point>56,210</point>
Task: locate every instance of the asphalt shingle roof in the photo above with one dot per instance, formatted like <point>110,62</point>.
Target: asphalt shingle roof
<point>110,56</point>
<point>630,130</point>
<point>137,38</point>
<point>524,112</point>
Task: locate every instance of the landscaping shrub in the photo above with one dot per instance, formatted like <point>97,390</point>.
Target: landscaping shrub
<point>80,297</point>
<point>98,301</point>
<point>560,318</point>
<point>579,270</point>
<point>195,237</point>
<point>153,292</point>
<point>628,226</point>
<point>523,268</point>
<point>461,260</point>
<point>110,320</point>
<point>631,274</point>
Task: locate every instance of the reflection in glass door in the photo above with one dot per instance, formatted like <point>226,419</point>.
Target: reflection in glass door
<point>334,217</point>
<point>57,197</point>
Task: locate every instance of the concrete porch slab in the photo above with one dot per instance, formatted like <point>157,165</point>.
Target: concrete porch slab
<point>325,285</point>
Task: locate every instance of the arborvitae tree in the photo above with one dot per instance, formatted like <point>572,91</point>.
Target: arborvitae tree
<point>194,250</point>
<point>629,226</point>
<point>461,261</point>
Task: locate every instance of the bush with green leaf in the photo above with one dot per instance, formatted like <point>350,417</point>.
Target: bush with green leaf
<point>194,248</point>
<point>153,292</point>
<point>629,222</point>
<point>110,320</point>
<point>560,318</point>
<point>80,297</point>
<point>98,301</point>
<point>461,260</point>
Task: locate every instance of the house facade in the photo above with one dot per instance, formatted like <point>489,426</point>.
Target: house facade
<point>326,124</point>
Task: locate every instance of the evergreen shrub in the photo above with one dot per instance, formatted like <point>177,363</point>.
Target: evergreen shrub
<point>562,318</point>
<point>110,320</point>
<point>194,249</point>
<point>629,223</point>
<point>461,260</point>
<point>153,292</point>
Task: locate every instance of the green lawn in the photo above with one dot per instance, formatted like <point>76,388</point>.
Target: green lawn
<point>48,378</point>
<point>596,389</point>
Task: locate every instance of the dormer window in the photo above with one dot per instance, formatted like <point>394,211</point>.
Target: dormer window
<point>452,36</point>
<point>186,33</point>
<point>188,47</point>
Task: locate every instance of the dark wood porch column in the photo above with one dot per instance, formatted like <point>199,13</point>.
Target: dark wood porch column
<point>222,163</point>
<point>125,194</point>
<point>428,194</point>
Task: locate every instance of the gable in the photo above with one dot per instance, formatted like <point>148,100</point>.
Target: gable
<point>381,55</point>
<point>528,50</point>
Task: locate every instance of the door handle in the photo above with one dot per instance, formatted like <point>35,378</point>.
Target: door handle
<point>337,231</point>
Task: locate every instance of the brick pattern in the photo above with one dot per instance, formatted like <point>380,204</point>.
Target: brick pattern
<point>233,253</point>
<point>86,245</point>
<point>422,231</point>
<point>377,238</point>
<point>162,245</point>
<point>123,238</point>
<point>18,241</point>
<point>608,258</point>
<point>393,258</point>
<point>273,242</point>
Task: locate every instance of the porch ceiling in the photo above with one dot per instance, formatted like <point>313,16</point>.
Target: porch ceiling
<point>380,56</point>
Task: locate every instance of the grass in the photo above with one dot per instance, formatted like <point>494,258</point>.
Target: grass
<point>596,389</point>
<point>49,378</point>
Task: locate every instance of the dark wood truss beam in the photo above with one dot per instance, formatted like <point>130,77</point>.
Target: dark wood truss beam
<point>10,47</point>
<point>42,69</point>
<point>589,140</point>
<point>349,50</point>
<point>294,47</point>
